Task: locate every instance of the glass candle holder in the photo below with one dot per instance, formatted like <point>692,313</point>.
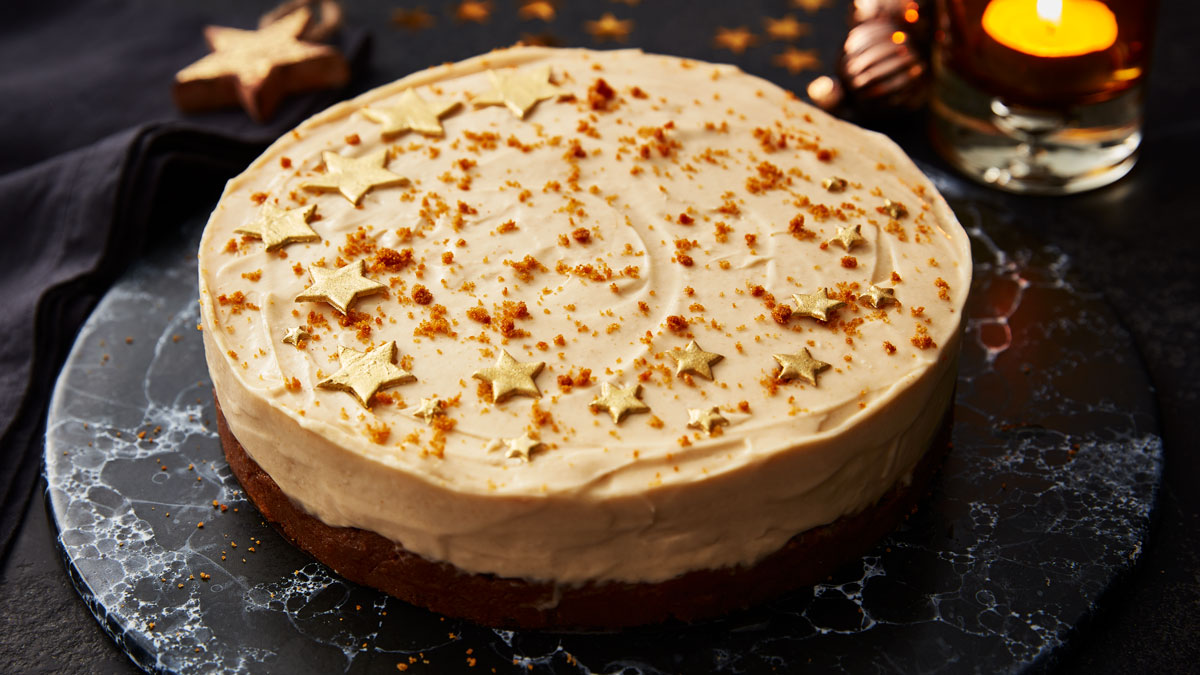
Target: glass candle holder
<point>1041,96</point>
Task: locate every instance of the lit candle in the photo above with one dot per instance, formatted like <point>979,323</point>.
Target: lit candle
<point>1048,52</point>
<point>1051,28</point>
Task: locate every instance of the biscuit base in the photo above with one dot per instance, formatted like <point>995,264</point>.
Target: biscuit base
<point>372,560</point>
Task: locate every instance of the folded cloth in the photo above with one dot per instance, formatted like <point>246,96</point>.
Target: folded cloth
<point>88,139</point>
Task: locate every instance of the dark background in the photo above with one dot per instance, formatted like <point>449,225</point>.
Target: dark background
<point>95,163</point>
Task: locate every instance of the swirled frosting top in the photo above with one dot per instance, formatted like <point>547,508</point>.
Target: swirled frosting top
<point>636,224</point>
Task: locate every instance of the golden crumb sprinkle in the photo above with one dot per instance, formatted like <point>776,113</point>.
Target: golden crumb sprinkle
<point>943,289</point>
<point>677,323</point>
<point>421,295</point>
<point>600,95</point>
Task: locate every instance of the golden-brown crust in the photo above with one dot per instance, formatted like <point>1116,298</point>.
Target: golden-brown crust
<point>372,560</point>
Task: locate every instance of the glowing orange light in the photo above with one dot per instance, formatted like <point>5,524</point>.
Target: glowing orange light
<point>1050,10</point>
<point>911,15</point>
<point>1051,28</point>
<point>899,37</point>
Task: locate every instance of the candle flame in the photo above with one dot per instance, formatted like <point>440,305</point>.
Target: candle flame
<point>1050,11</point>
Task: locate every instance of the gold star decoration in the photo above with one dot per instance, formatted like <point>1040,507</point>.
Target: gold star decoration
<point>878,296</point>
<point>296,335</point>
<point>257,68</point>
<point>412,113</point>
<point>706,420</point>
<point>536,9</point>
<point>801,365</point>
<point>510,377</point>
<point>429,409</point>
<point>543,39</point>
<point>339,287</point>
<point>787,28</point>
<point>354,177</point>
<point>810,6</point>
<point>619,401</point>
<point>522,447</point>
<point>364,373</point>
<point>519,91</point>
<point>796,60</point>
<point>477,11</point>
<point>736,40</point>
<point>894,209</point>
<point>693,359</point>
<point>849,237</point>
<point>609,27</point>
<point>277,227</point>
<point>817,305</point>
<point>834,184</point>
<point>412,19</point>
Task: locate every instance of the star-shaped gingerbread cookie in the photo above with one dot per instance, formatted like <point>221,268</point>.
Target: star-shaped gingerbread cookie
<point>257,68</point>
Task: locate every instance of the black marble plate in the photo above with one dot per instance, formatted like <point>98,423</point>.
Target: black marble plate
<point>1042,505</point>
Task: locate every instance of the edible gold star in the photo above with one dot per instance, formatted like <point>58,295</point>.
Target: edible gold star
<point>478,11</point>
<point>797,60</point>
<point>412,19</point>
<point>339,287</point>
<point>354,177</point>
<point>536,9</point>
<point>543,39</point>
<point>609,27</point>
<point>364,373</point>
<point>834,184</point>
<point>620,401</point>
<point>810,5</point>
<point>257,68</point>
<point>877,296</point>
<point>801,365</point>
<point>295,335</point>
<point>894,209</point>
<point>736,40</point>
<point>429,409</point>
<point>278,227</point>
<point>510,377</point>
<point>706,420</point>
<point>693,359</point>
<point>787,28</point>
<point>519,91</point>
<point>411,114</point>
<point>522,446</point>
<point>848,237</point>
<point>817,305</point>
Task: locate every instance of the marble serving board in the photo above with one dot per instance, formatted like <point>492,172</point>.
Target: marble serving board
<point>1041,506</point>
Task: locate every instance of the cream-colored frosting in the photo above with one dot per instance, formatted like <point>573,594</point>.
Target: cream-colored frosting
<point>650,498</point>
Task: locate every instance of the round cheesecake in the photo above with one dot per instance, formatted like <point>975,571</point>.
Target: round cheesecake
<point>576,338</point>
